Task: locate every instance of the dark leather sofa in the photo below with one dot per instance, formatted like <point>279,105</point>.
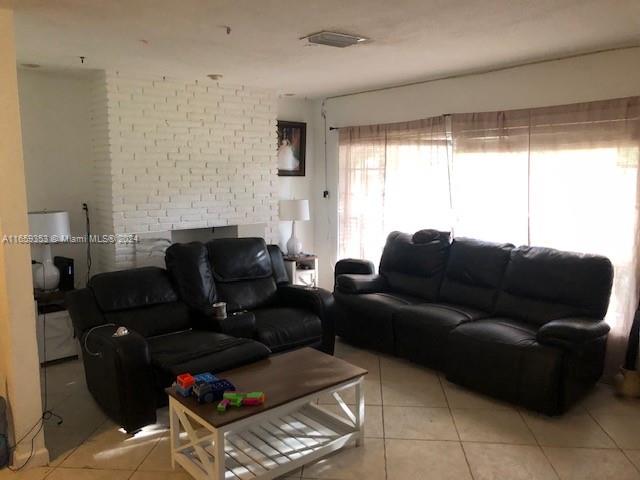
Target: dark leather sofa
<point>172,331</point>
<point>521,324</point>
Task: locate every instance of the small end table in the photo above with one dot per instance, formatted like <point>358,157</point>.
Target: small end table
<point>302,269</point>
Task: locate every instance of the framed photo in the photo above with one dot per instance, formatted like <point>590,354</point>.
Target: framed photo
<point>292,144</point>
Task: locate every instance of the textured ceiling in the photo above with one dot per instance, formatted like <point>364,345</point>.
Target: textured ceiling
<point>412,40</point>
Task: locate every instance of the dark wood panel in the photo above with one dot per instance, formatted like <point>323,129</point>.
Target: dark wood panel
<point>283,378</point>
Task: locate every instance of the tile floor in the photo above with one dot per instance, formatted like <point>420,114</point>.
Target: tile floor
<point>418,426</point>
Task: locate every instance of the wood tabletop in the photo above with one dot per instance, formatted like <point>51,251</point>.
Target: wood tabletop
<point>283,378</point>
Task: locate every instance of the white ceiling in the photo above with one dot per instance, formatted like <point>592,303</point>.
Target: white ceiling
<point>412,40</point>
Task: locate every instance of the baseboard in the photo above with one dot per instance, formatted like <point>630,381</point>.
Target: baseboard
<point>40,458</point>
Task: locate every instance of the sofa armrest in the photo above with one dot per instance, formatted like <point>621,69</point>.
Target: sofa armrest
<point>361,283</point>
<point>320,302</point>
<point>572,332</point>
<point>120,376</point>
<point>353,265</point>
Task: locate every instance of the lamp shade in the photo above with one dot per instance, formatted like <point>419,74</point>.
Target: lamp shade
<point>294,210</point>
<point>50,224</point>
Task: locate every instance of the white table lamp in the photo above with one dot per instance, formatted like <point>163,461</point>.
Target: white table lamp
<point>48,227</point>
<point>294,210</point>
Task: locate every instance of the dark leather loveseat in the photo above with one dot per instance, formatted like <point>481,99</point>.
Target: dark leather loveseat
<point>169,334</point>
<point>522,324</point>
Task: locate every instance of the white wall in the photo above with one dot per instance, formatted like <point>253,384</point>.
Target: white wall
<point>18,347</point>
<point>299,110</point>
<point>54,109</point>
<point>587,78</point>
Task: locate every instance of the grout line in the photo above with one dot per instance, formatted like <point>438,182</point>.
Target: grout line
<point>624,454</point>
<point>544,453</point>
<point>455,425</point>
<point>602,428</point>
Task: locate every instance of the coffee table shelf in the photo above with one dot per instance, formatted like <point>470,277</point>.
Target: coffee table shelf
<point>276,446</point>
<point>289,431</point>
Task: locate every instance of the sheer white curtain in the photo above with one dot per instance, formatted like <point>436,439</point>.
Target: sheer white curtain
<point>490,175</point>
<point>584,195</point>
<point>392,177</point>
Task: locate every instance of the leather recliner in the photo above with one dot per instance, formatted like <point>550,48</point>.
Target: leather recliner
<point>172,329</point>
<point>251,278</point>
<point>127,374</point>
<point>521,324</point>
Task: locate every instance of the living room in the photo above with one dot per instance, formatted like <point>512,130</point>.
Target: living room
<point>218,187</point>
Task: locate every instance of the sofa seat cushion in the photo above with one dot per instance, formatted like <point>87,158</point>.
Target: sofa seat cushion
<point>198,351</point>
<point>368,318</point>
<point>501,357</point>
<point>281,328</point>
<point>422,331</point>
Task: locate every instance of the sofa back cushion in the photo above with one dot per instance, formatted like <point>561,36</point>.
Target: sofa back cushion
<point>474,273</point>
<point>137,287</point>
<point>243,272</point>
<point>414,264</point>
<point>190,269</point>
<point>544,284</point>
<point>142,299</point>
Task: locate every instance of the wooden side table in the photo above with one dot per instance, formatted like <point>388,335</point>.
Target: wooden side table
<point>302,269</point>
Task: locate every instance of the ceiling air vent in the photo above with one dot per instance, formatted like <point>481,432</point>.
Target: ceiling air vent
<point>334,39</point>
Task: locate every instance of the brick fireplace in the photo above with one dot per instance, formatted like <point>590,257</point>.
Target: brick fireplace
<point>173,155</point>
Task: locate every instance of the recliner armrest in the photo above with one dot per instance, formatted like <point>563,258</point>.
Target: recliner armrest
<point>320,302</point>
<point>572,332</point>
<point>353,265</point>
<point>120,376</point>
<point>361,283</point>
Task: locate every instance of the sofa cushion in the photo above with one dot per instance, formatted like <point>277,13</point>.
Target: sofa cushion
<point>501,357</point>
<point>152,320</point>
<point>248,294</point>
<point>197,351</point>
<point>421,331</point>
<point>235,259</point>
<point>368,318</point>
<point>280,274</point>
<point>137,287</point>
<point>243,272</point>
<point>189,267</point>
<point>284,328</point>
<point>543,284</point>
<point>414,264</point>
<point>475,270</point>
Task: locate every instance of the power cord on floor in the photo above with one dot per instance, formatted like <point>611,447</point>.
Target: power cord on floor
<point>46,413</point>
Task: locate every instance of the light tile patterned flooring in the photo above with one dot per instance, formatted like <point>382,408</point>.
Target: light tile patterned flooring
<point>419,426</point>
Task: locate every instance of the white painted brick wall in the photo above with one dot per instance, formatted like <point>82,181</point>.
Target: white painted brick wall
<point>172,154</point>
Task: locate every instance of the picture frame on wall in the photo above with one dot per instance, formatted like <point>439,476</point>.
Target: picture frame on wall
<point>292,146</point>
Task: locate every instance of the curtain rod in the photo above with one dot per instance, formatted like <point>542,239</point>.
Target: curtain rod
<point>490,70</point>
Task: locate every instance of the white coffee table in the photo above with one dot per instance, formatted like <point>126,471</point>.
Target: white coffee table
<point>287,432</point>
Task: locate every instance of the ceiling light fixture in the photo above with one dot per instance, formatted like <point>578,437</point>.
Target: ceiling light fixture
<point>30,65</point>
<point>334,39</point>
<point>289,94</point>
<point>214,76</point>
